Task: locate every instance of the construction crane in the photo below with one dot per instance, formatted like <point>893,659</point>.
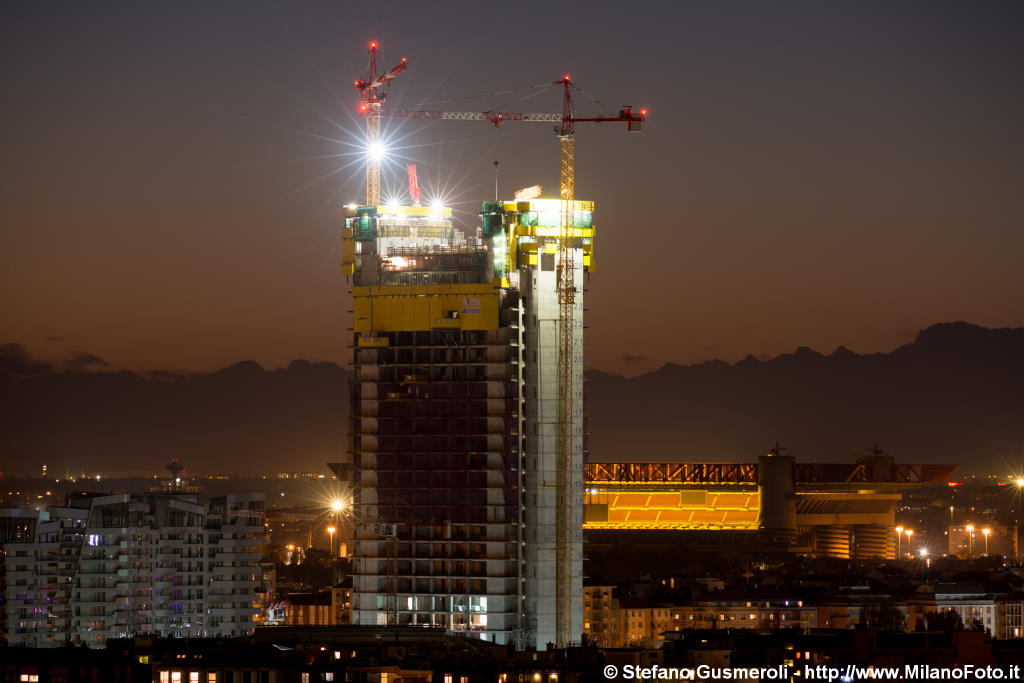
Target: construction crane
<point>565,130</point>
<point>372,95</point>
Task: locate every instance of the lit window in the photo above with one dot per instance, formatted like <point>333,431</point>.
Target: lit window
<point>305,677</point>
<point>329,676</point>
<point>193,677</point>
<point>175,677</point>
<point>211,678</point>
<point>165,677</point>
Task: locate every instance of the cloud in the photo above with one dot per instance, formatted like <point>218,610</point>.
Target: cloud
<point>631,358</point>
<point>16,360</point>
<point>82,361</point>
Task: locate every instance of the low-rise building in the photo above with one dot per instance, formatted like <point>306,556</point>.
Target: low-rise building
<point>643,621</point>
<point>752,610</point>
<point>601,614</point>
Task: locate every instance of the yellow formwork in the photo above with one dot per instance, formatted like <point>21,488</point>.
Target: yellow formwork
<point>419,211</point>
<point>408,308</point>
<point>546,205</point>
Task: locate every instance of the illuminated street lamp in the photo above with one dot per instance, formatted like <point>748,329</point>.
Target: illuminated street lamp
<point>330,531</point>
<point>909,533</point>
<point>986,532</point>
<point>970,546</point>
<point>899,539</point>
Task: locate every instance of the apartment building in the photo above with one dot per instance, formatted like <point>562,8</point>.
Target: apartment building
<point>114,566</point>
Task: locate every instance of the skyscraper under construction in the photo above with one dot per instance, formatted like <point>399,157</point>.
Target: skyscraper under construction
<point>458,419</point>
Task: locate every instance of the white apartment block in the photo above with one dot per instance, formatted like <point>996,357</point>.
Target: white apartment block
<point>115,566</point>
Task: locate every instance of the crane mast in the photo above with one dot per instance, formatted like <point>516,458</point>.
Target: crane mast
<point>566,278</point>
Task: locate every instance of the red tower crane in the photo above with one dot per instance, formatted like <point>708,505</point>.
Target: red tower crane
<point>372,95</point>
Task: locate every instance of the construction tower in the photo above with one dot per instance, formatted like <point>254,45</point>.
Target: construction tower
<point>454,438</point>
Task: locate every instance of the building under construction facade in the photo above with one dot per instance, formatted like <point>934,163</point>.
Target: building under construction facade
<point>456,407</point>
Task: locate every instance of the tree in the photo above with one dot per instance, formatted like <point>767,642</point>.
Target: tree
<point>946,621</point>
<point>885,616</point>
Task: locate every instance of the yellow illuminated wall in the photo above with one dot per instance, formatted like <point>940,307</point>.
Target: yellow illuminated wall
<point>671,510</point>
<point>406,308</point>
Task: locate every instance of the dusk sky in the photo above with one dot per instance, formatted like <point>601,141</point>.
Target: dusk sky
<point>811,173</point>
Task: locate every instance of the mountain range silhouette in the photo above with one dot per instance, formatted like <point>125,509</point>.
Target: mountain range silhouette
<point>954,395</point>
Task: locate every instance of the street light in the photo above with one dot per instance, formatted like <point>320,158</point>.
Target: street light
<point>331,530</point>
<point>986,532</point>
<point>909,533</point>
<point>970,546</point>
<point>337,505</point>
<point>899,538</point>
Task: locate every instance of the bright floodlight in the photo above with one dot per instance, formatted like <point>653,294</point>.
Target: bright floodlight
<point>437,205</point>
<point>1020,482</point>
<point>924,552</point>
<point>375,150</point>
<point>337,505</point>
